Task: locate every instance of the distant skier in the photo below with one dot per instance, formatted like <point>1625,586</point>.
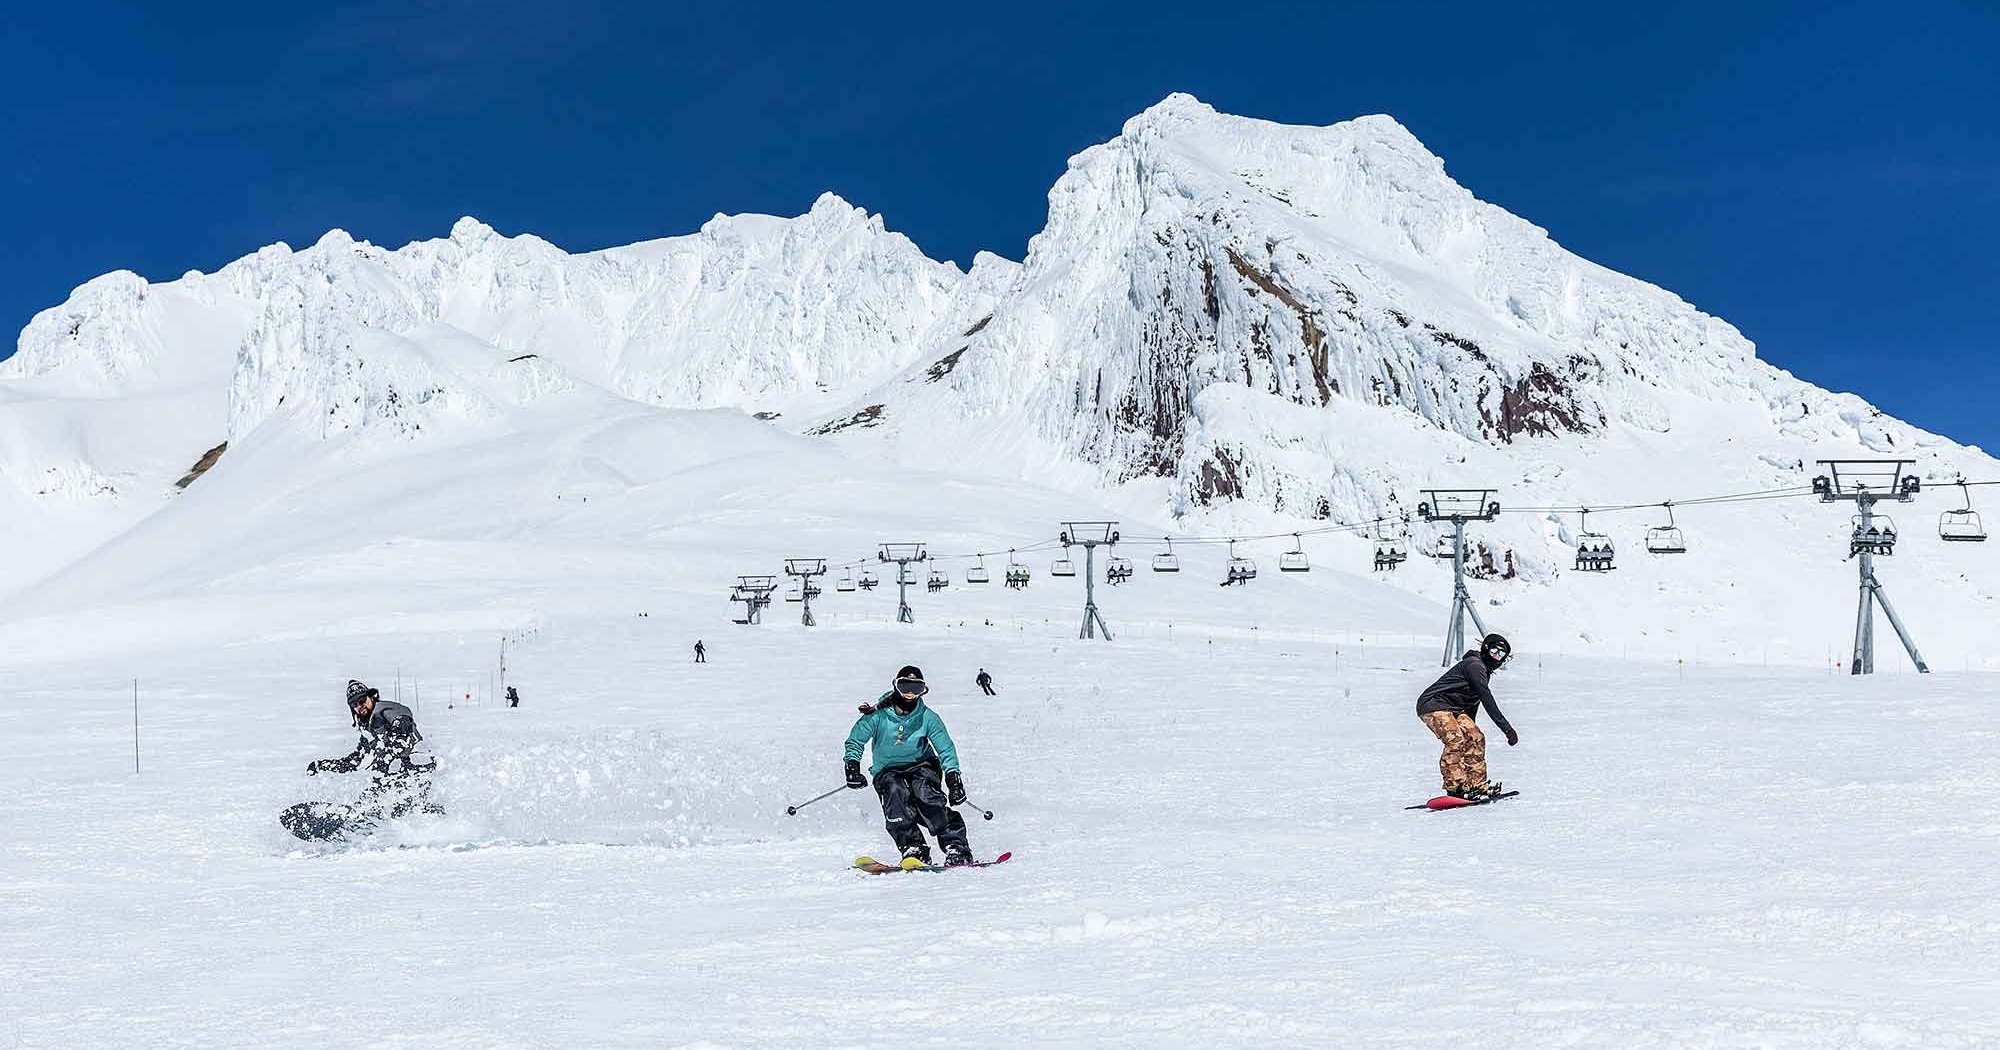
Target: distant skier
<point>700,652</point>
<point>513,697</point>
<point>393,753</point>
<point>985,682</point>
<point>912,751</point>
<point>1449,708</point>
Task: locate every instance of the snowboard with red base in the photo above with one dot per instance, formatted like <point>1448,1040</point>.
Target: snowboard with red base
<point>1443,802</point>
<point>876,867</point>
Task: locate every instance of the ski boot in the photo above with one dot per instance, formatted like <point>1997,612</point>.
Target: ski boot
<point>957,856</point>
<point>916,857</point>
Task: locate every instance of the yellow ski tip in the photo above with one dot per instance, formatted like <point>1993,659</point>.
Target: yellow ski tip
<point>911,864</point>
<point>865,861</point>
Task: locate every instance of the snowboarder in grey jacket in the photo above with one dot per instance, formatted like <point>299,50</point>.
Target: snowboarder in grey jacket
<point>1449,708</point>
<point>390,749</point>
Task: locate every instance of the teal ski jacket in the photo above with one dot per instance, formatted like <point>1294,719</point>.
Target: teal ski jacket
<point>900,739</point>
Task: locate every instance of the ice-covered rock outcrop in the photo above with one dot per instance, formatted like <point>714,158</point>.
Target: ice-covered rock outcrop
<point>1309,318</point>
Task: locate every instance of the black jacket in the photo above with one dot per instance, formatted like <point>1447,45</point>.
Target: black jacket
<point>1463,690</point>
<point>390,745</point>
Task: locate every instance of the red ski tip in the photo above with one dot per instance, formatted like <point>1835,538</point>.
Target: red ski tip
<point>1447,802</point>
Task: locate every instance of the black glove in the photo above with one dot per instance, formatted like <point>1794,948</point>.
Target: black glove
<point>1512,737</point>
<point>854,777</point>
<point>866,708</point>
<point>312,767</point>
<point>954,788</point>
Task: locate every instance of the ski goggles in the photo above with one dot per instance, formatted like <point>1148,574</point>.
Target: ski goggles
<point>911,686</point>
<point>1499,653</point>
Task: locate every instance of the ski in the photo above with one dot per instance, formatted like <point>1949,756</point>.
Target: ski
<point>876,867</point>
<point>1444,802</point>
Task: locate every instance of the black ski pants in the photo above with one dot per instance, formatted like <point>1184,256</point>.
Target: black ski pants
<point>987,687</point>
<point>913,802</point>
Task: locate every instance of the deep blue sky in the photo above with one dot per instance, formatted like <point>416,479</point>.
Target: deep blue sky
<point>1824,175</point>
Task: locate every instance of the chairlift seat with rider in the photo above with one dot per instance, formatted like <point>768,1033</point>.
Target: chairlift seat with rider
<point>1240,570</point>
<point>1594,550</point>
<point>1117,570</point>
<point>1878,536</point>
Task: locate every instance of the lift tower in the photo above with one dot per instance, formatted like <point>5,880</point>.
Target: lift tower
<point>1459,506</point>
<point>806,570</point>
<point>755,594</point>
<point>1090,535</point>
<point>902,554</point>
<point>1862,482</point>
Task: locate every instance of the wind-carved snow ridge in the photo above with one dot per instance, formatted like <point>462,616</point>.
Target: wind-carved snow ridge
<point>750,311</point>
<point>1309,321</point>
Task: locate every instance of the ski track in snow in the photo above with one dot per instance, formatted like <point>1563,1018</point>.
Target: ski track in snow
<point>1208,835</point>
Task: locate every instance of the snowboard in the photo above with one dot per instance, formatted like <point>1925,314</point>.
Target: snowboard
<point>319,821</point>
<point>876,867</point>
<point>1443,802</point>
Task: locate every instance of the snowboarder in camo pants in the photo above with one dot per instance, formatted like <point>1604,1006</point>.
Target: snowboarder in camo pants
<point>1449,708</point>
<point>915,768</point>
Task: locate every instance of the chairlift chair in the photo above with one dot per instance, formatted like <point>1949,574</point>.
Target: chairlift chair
<point>1962,526</point>
<point>1166,561</point>
<point>1389,554</point>
<point>1294,560</point>
<point>1240,570</point>
<point>868,580</point>
<point>846,581</point>
<point>1117,570</point>
<point>797,593</point>
<point>977,574</point>
<point>906,575</point>
<point>1062,567</point>
<point>938,581</point>
<point>1017,574</point>
<point>1877,537</point>
<point>1594,550</point>
<point>1666,539</point>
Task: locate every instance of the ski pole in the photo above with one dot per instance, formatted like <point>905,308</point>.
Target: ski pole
<point>987,813</point>
<point>793,811</point>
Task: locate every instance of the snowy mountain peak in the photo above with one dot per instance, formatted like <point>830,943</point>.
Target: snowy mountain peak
<point>468,230</point>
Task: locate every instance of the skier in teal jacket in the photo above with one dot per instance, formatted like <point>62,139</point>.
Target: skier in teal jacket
<point>915,768</point>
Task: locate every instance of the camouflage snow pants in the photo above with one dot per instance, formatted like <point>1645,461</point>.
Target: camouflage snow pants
<point>1463,763</point>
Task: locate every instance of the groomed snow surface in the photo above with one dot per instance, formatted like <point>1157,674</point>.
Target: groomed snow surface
<point>1210,848</point>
